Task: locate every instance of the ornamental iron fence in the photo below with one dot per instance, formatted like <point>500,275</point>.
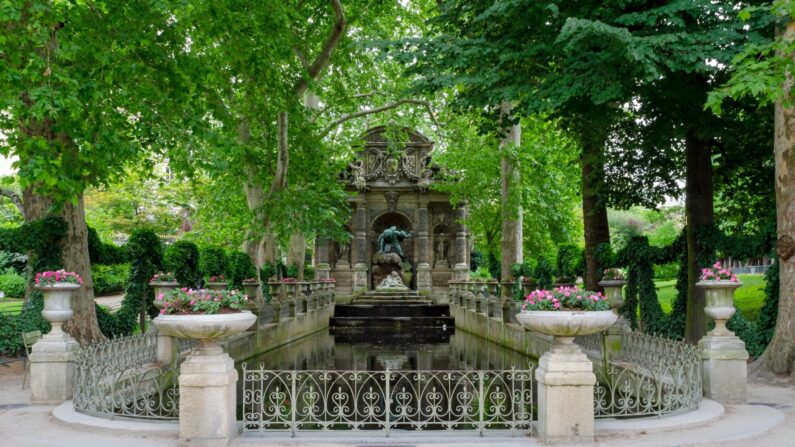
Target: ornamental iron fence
<point>122,378</point>
<point>650,375</point>
<point>387,400</point>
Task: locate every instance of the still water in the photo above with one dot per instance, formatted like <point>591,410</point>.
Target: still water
<point>376,351</point>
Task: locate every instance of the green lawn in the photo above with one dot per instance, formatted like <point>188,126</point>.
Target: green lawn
<point>11,306</point>
<point>748,298</point>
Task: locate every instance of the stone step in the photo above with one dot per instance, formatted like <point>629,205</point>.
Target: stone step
<point>419,335</point>
<point>384,302</point>
<point>391,310</point>
<point>396,323</point>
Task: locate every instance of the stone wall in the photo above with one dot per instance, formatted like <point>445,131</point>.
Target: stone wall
<point>510,335</point>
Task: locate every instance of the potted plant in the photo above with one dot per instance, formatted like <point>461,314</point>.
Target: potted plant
<point>613,281</point>
<point>163,284</point>
<point>216,282</point>
<point>566,312</point>
<point>56,288</point>
<point>719,284</point>
<point>205,315</point>
<point>250,285</point>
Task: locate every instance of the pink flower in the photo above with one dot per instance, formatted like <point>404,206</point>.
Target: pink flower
<point>556,306</point>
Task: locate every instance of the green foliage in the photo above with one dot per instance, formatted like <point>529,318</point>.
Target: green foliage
<point>240,268</point>
<point>481,273</point>
<point>570,262</point>
<point>543,273</point>
<point>103,253</point>
<point>13,284</point>
<point>494,266</point>
<point>14,261</point>
<point>213,262</point>
<point>110,278</point>
<point>309,272</point>
<point>666,271</point>
<point>475,259</point>
<point>266,272</point>
<point>42,238</point>
<point>146,254</point>
<point>291,271</point>
<point>182,258</point>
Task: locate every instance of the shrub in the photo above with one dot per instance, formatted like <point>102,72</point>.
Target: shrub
<point>212,261</point>
<point>182,258</point>
<point>570,261</point>
<point>15,261</point>
<point>266,272</point>
<point>309,273</point>
<point>12,284</point>
<point>543,273</point>
<point>666,272</point>
<point>102,253</point>
<point>240,268</point>
<point>110,278</point>
<point>291,271</point>
<point>481,273</point>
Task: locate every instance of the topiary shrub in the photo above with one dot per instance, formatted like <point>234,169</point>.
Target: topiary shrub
<point>569,261</point>
<point>101,253</point>
<point>12,284</point>
<point>266,272</point>
<point>240,268</point>
<point>146,252</point>
<point>212,262</point>
<point>182,258</point>
<point>110,278</point>
<point>309,273</point>
<point>543,273</point>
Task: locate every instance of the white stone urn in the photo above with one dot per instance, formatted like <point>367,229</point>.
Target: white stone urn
<point>162,289</point>
<point>720,303</point>
<point>205,328</point>
<point>57,304</point>
<point>216,285</point>
<point>613,288</point>
<point>565,325</point>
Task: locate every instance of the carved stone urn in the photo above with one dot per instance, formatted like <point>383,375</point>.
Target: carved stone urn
<point>565,325</point>
<point>613,288</point>
<point>205,328</point>
<point>216,285</point>
<point>720,303</point>
<point>57,305</point>
<point>162,290</point>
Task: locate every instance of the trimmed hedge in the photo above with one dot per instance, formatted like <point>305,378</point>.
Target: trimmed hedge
<point>110,278</point>
<point>240,268</point>
<point>182,258</point>
<point>213,262</point>
<point>13,284</point>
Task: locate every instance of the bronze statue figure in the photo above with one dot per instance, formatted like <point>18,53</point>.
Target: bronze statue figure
<point>390,239</point>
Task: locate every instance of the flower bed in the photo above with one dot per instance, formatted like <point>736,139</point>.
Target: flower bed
<point>191,302</point>
<point>565,298</point>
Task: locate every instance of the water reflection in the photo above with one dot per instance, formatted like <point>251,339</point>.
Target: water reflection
<point>408,350</point>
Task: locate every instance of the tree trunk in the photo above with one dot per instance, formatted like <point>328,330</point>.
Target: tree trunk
<point>699,212</point>
<point>83,325</point>
<point>594,209</point>
<point>511,205</point>
<point>297,253</point>
<point>779,356</point>
<point>35,207</point>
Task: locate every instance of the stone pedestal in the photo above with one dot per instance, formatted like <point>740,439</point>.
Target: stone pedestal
<point>52,368</point>
<point>424,277</point>
<point>167,349</point>
<point>207,399</point>
<point>565,395</point>
<point>360,278</point>
<point>725,368</point>
<point>322,271</point>
<point>461,272</point>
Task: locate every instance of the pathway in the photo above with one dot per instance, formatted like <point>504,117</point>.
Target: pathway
<point>112,302</point>
<point>23,424</point>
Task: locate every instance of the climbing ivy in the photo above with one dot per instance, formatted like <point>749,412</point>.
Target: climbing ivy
<point>42,239</point>
<point>146,252</point>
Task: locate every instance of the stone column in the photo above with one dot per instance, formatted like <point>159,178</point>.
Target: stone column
<point>565,395</point>
<point>360,249</point>
<point>52,367</point>
<point>461,267</point>
<point>424,282</point>
<point>207,399</point>
<point>322,267</point>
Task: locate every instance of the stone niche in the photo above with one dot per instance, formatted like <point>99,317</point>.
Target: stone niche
<point>389,184</point>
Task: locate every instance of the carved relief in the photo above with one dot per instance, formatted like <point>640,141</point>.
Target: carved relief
<point>391,200</point>
<point>392,170</point>
<point>357,175</point>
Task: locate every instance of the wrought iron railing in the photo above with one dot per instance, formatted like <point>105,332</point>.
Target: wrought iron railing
<point>121,378</point>
<point>650,375</point>
<point>387,400</point>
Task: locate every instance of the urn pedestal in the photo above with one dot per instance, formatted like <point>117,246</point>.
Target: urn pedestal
<point>207,379</point>
<point>612,335</point>
<point>725,359</point>
<point>565,375</point>
<point>52,358</point>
